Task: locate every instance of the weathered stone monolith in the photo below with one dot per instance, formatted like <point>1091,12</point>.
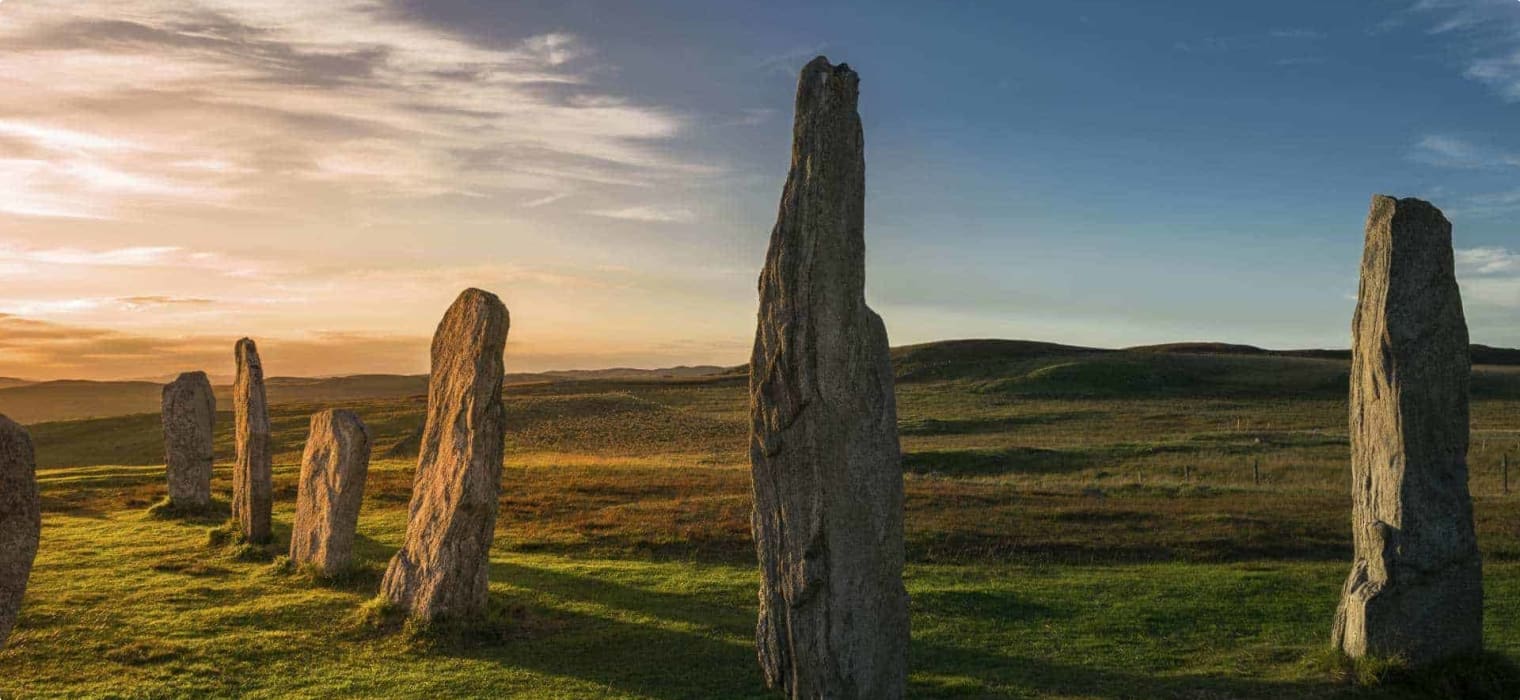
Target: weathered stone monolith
<point>1416,585</point>
<point>333,471</point>
<point>20,520</point>
<point>189,416</point>
<point>828,479</point>
<point>441,569</point>
<point>252,473</point>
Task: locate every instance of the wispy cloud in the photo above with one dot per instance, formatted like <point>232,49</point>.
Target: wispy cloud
<point>1274,42</point>
<point>1299,34</point>
<point>1456,152</point>
<point>1490,34</point>
<point>752,117</point>
<point>785,62</point>
<point>109,109</point>
<point>46,350</point>
<point>20,261</point>
<point>545,200</point>
<point>1490,276</point>
<point>667,215</point>
<point>1488,261</point>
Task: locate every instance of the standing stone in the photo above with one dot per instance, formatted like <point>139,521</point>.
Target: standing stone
<point>189,415</point>
<point>1416,586</point>
<point>252,473</point>
<point>333,471</point>
<point>20,520</point>
<point>441,569</point>
<point>828,479</point>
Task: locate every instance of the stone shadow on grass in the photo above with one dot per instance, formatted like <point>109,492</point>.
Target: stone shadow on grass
<point>362,575</point>
<point>1006,606</point>
<point>674,607</point>
<point>697,650</point>
<point>1000,424</point>
<point>635,659</point>
<point>943,670</point>
<point>990,462</point>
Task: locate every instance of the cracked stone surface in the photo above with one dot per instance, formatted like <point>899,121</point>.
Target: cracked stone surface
<point>441,569</point>
<point>252,472</point>
<point>20,520</point>
<point>1416,584</point>
<point>189,416</point>
<point>334,468</point>
<point>827,467</point>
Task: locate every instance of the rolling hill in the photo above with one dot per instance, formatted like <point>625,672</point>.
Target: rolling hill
<point>38,402</point>
<point>987,367</point>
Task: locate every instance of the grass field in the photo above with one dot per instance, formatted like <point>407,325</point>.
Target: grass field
<point>1079,525</point>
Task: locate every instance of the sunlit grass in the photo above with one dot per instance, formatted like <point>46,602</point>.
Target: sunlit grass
<point>1148,544</point>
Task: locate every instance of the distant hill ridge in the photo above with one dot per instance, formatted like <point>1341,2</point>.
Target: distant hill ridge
<point>1481,354</point>
<point>71,399</point>
<point>989,366</point>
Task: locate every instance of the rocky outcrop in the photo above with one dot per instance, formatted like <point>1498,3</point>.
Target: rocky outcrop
<point>441,570</point>
<point>333,470</point>
<point>189,416</point>
<point>20,520</point>
<point>252,472</point>
<point>828,480</point>
<point>1416,585</point>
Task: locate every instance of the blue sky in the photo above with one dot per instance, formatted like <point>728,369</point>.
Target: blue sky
<point>1107,172</point>
<point>1095,172</point>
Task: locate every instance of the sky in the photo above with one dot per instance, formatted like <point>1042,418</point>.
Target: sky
<point>326,177</point>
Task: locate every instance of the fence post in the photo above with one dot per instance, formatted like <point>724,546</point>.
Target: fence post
<point>1506,473</point>
<point>1256,471</point>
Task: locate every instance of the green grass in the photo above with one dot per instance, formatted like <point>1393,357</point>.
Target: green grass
<point>1090,532</point>
<point>123,606</point>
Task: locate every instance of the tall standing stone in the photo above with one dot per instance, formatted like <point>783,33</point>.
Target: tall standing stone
<point>333,471</point>
<point>1416,586</point>
<point>441,570</point>
<point>20,520</point>
<point>252,473</point>
<point>828,479</point>
<point>189,415</point>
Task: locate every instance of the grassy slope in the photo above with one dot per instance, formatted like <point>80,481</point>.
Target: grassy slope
<point>41,402</point>
<point>1102,539</point>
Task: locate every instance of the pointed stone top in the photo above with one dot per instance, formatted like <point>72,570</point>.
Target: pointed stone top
<point>1412,226</point>
<point>1385,206</point>
<point>824,85</point>
<point>477,296</point>
<point>476,312</point>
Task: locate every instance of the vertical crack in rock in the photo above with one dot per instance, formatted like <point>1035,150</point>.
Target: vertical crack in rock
<point>189,416</point>
<point>828,481</point>
<point>20,520</point>
<point>441,570</point>
<point>334,468</point>
<point>252,473</point>
<point>1415,588</point>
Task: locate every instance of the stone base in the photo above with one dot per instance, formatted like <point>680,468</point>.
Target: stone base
<point>1421,618</point>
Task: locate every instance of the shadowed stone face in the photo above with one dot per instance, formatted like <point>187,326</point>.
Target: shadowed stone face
<point>828,518</point>
<point>333,471</point>
<point>1416,585</point>
<point>189,415</point>
<point>20,520</point>
<point>252,475</point>
<point>441,570</point>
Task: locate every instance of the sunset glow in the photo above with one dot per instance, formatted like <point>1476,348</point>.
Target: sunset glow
<point>325,177</point>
